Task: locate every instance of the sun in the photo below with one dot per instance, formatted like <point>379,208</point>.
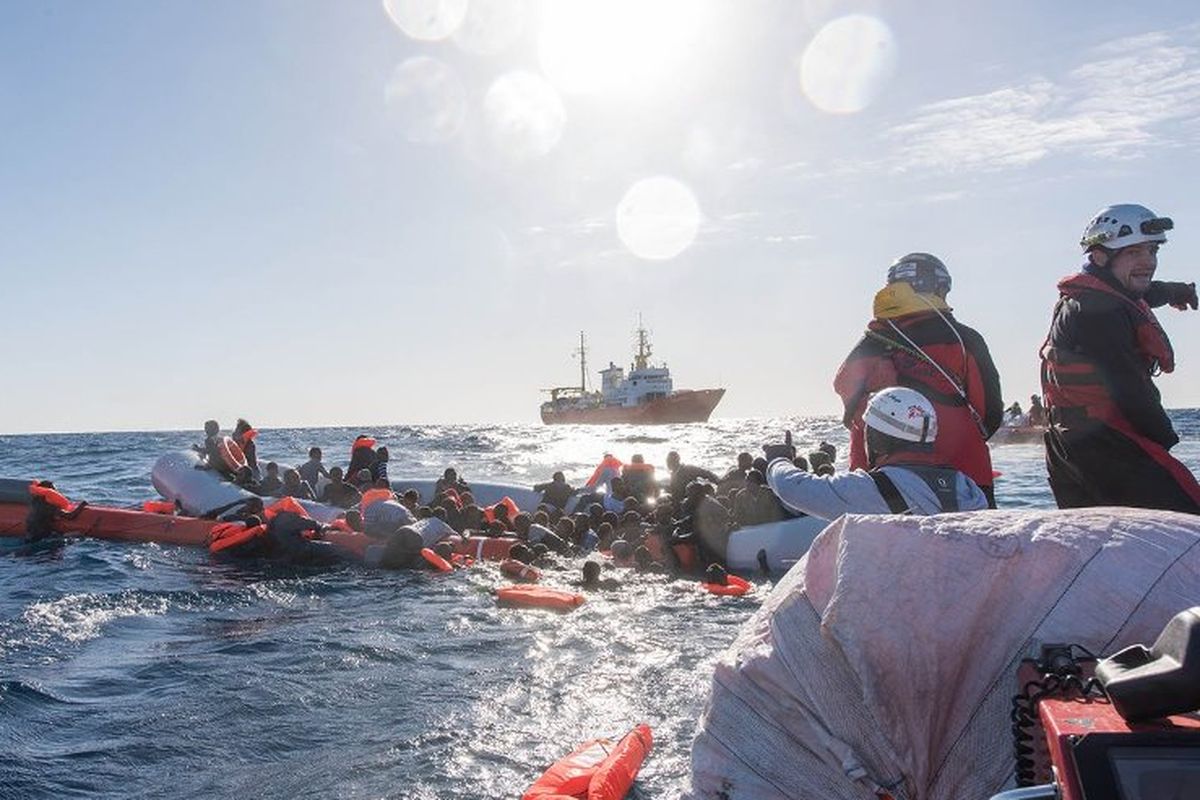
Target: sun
<point>586,46</point>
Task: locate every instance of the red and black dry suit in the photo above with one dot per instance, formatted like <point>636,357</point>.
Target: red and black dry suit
<point>883,358</point>
<point>1109,434</point>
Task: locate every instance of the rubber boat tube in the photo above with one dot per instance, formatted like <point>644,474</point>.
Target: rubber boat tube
<point>783,543</point>
<point>200,491</point>
<point>118,524</point>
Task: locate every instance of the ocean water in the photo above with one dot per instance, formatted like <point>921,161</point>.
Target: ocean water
<point>149,671</point>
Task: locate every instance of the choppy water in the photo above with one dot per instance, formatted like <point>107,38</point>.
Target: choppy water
<point>147,671</point>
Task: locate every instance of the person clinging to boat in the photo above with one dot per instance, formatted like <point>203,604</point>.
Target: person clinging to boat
<point>907,475</point>
<point>47,507</point>
<point>915,340</point>
<point>1109,435</point>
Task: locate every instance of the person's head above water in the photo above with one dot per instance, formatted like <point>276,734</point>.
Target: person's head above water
<point>558,477</point>
<point>673,461</point>
<point>715,573</point>
<point>591,572</point>
<point>1124,240</point>
<point>521,552</point>
<point>924,272</point>
<point>898,419</point>
<point>745,461</point>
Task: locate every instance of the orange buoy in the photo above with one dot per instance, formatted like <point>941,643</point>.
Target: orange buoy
<point>520,571</point>
<point>596,770</point>
<point>733,587</point>
<point>231,454</point>
<point>485,548</point>
<point>539,597</point>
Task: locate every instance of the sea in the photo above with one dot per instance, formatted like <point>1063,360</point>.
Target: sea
<point>139,670</point>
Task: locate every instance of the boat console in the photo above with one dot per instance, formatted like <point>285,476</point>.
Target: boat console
<point>1123,728</point>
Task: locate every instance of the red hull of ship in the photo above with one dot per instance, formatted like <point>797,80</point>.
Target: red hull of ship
<point>683,406</point>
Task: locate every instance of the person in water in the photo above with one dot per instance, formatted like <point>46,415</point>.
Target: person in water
<point>1037,412</point>
<point>312,470</point>
<point>271,484</point>
<point>46,509</point>
<point>592,580</point>
<point>905,473</point>
<point>339,493</point>
<point>914,340</point>
<point>1109,435</point>
<point>244,434</point>
<point>683,474</point>
<point>295,486</point>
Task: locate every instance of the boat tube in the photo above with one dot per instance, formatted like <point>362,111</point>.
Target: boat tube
<point>781,543</point>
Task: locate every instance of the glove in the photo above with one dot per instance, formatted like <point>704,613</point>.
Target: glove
<point>785,450</point>
<point>1174,293</point>
<point>1182,295</point>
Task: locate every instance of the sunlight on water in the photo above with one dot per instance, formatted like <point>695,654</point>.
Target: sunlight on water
<point>491,26</point>
<point>524,114</point>
<point>426,20</point>
<point>658,218</point>
<point>848,64</point>
<point>427,99</point>
<point>629,45</point>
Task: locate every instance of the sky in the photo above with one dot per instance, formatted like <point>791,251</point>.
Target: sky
<point>316,213</point>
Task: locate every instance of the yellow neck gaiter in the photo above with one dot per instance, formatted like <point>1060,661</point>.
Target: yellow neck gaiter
<point>899,299</point>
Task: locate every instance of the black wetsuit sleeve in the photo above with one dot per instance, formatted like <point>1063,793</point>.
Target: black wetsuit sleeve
<point>993,409</point>
<point>1110,337</point>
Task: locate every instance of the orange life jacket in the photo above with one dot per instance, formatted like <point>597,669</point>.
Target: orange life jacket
<point>231,534</point>
<point>50,496</point>
<point>434,560</point>
<point>1072,380</point>
<point>489,512</point>
<point>372,496</point>
<point>284,504</point>
<point>158,507</point>
<point>539,597</point>
<point>520,571</point>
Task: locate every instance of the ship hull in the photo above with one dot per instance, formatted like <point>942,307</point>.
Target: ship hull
<point>683,406</point>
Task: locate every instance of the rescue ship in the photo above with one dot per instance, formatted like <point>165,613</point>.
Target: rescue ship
<point>645,397</point>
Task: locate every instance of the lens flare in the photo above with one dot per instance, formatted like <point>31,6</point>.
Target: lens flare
<point>524,115</point>
<point>848,63</point>
<point>426,20</point>
<point>491,26</point>
<point>427,99</point>
<point>658,218</point>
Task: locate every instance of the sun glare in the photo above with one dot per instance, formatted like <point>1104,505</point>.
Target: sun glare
<point>427,99</point>
<point>586,46</point>
<point>426,20</point>
<point>848,63</point>
<point>658,218</point>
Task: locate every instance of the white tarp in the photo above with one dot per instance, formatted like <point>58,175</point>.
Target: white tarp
<point>887,657</point>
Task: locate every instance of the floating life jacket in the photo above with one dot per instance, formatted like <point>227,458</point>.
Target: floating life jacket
<point>1073,380</point>
<point>596,770</point>
<point>520,571</point>
<point>485,548</point>
<point>539,597</point>
<point>734,586</point>
<point>434,560</point>
<point>489,512</point>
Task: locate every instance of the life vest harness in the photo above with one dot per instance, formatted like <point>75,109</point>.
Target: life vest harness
<point>942,480</point>
<point>914,349</point>
<point>1074,380</point>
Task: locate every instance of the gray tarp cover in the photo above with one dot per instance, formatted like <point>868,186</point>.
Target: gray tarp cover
<point>888,656</point>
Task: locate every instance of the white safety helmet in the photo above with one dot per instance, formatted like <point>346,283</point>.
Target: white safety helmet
<point>925,273</point>
<point>903,414</point>
<point>1123,225</point>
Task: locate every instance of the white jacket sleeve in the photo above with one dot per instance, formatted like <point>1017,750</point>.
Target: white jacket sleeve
<point>826,497</point>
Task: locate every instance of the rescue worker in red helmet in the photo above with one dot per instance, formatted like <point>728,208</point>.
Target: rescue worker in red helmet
<point>1109,435</point>
<point>914,341</point>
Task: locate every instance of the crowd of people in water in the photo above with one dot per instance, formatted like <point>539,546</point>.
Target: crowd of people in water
<point>921,398</point>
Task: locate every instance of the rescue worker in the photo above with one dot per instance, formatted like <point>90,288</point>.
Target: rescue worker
<point>1109,435</point>
<point>901,430</point>
<point>915,341</point>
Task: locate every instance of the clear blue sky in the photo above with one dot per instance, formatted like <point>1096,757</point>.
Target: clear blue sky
<point>315,213</point>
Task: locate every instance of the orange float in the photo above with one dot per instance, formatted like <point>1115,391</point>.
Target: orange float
<point>231,454</point>
<point>520,571</point>
<point>485,548</point>
<point>733,586</point>
<point>539,597</point>
<point>434,560</point>
<point>596,770</point>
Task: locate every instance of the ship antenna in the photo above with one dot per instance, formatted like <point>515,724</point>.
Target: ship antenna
<point>642,359</point>
<point>582,352</point>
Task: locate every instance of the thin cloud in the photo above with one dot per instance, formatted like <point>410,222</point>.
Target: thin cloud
<point>1132,95</point>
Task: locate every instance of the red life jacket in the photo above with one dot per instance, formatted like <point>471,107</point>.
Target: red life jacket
<point>49,495</point>
<point>231,534</point>
<point>1073,380</point>
<point>959,443</point>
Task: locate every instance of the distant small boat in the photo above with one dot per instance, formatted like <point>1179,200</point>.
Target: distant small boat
<point>1019,431</point>
<point>645,397</point>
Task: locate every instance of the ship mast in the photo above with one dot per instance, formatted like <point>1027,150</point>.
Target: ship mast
<point>582,353</point>
<point>642,359</point>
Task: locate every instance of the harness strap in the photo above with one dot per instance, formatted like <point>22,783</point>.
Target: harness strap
<point>891,495</point>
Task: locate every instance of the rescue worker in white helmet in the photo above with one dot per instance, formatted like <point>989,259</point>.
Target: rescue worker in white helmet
<point>901,426</point>
<point>1109,435</point>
